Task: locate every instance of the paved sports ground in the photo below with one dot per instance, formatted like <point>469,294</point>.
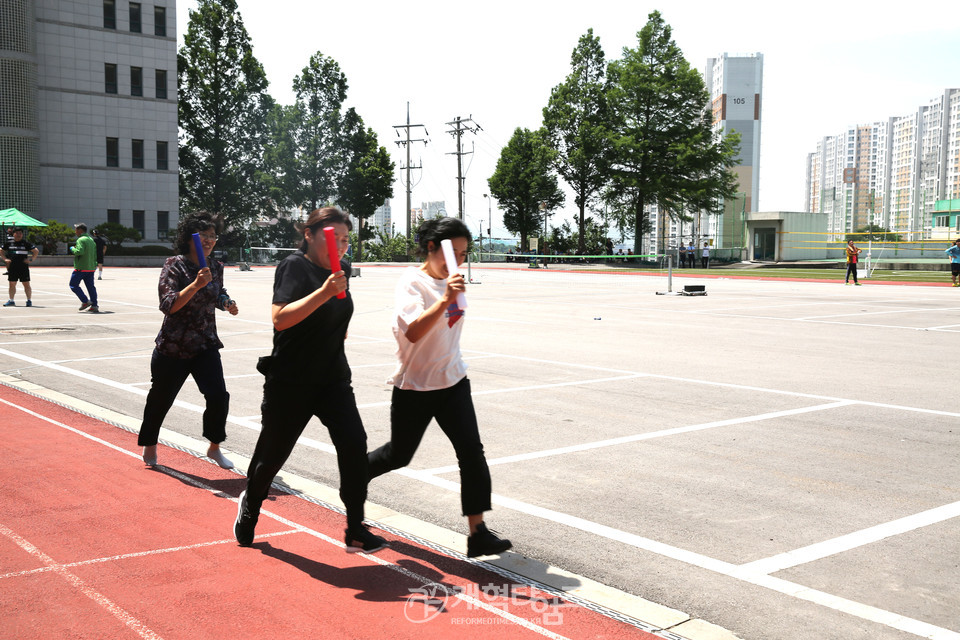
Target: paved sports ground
<point>777,458</point>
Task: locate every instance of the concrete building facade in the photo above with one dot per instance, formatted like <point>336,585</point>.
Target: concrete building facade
<point>94,136</point>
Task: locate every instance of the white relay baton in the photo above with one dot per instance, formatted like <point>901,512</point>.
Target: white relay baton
<point>452,268</point>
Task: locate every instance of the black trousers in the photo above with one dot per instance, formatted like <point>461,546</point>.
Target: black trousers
<point>286,409</point>
<point>410,414</point>
<point>851,269</point>
<point>167,376</point>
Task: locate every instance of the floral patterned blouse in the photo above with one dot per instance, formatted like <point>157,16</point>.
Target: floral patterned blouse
<point>192,329</point>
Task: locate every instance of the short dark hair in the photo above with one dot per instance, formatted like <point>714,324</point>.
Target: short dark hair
<point>194,223</point>
<point>320,218</point>
<point>80,226</point>
<point>437,229</point>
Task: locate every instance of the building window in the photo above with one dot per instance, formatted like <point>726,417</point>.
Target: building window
<point>110,78</point>
<point>162,163</point>
<point>159,21</point>
<point>109,14</point>
<point>113,152</point>
<point>113,215</point>
<point>136,81</point>
<point>163,225</point>
<point>138,220</point>
<point>135,25</point>
<point>161,82</point>
<point>137,152</point>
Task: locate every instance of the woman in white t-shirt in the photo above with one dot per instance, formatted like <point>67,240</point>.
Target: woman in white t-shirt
<point>431,382</point>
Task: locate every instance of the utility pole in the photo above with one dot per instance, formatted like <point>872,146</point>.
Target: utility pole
<point>459,126</point>
<point>406,143</point>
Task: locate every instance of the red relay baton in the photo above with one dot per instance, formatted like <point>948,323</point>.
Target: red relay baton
<point>334,254</point>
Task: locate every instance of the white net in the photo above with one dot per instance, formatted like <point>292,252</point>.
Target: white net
<point>268,255</point>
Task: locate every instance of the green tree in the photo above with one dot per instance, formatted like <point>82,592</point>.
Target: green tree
<point>222,109</point>
<point>115,234</point>
<point>385,248</point>
<point>873,232</point>
<point>316,161</point>
<point>367,180</point>
<point>664,151</point>
<point>50,236</point>
<point>523,181</point>
<point>576,121</point>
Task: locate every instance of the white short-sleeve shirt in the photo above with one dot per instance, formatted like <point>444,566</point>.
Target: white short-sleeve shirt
<point>434,361</point>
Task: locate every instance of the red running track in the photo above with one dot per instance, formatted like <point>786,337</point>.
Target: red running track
<point>93,544</point>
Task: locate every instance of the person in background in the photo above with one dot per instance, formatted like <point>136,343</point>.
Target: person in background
<point>18,253</point>
<point>101,243</point>
<point>307,375</point>
<point>692,254</point>
<point>84,266</point>
<point>681,255</point>
<point>953,252</point>
<point>188,344</point>
<point>430,381</point>
<point>853,254</point>
<point>705,256</point>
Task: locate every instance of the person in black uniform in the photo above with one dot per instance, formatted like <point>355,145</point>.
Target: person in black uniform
<point>101,243</point>
<point>307,375</point>
<point>18,254</point>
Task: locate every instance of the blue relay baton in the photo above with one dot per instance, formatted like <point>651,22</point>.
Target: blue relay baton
<point>201,259</point>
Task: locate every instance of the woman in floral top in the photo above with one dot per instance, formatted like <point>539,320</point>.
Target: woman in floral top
<point>188,343</point>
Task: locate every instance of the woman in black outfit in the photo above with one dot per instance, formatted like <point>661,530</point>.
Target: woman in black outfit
<point>307,375</point>
<point>188,343</point>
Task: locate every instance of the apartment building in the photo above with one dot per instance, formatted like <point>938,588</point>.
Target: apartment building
<point>891,173</point>
<point>88,120</point>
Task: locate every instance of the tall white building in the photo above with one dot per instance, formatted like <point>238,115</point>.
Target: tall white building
<point>88,112</point>
<point>896,173</point>
<point>735,83</point>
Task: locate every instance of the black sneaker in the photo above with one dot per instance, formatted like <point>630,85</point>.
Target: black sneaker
<point>361,539</point>
<point>246,522</point>
<point>486,543</point>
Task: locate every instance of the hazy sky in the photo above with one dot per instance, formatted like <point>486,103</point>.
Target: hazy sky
<point>827,65</point>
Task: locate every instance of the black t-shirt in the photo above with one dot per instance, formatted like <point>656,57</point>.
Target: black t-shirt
<point>310,352</point>
<point>101,243</point>
<point>17,251</point>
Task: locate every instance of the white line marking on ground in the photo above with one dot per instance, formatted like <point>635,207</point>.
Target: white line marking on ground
<point>801,592</point>
<point>639,437</point>
<point>139,554</point>
<point>296,528</point>
<point>121,614</point>
<point>876,313</point>
<point>853,540</point>
<point>724,568</point>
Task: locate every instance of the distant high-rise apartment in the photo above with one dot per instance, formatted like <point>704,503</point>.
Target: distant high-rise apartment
<point>735,83</point>
<point>88,112</point>
<point>891,173</point>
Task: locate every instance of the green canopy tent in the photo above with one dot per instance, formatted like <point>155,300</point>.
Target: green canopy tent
<point>16,218</point>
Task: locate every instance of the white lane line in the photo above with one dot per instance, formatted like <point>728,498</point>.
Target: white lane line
<point>296,528</point>
<point>118,612</point>
<point>850,541</point>
<point>138,554</point>
<point>786,587</point>
<point>860,610</point>
<point>639,437</point>
<point>874,313</point>
<point>539,387</point>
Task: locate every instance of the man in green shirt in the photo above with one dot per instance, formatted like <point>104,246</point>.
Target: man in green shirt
<point>84,266</point>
